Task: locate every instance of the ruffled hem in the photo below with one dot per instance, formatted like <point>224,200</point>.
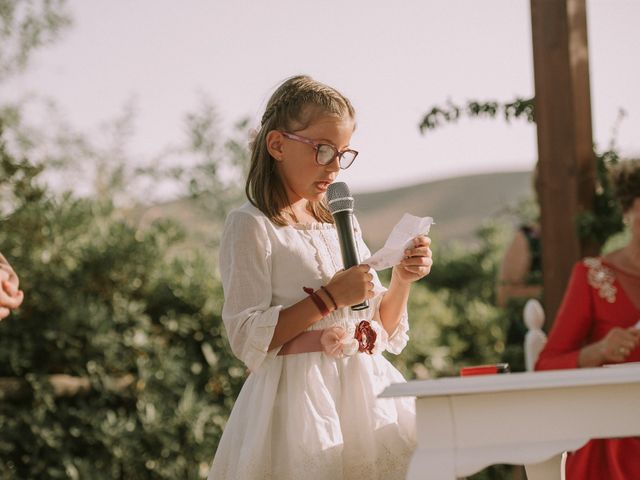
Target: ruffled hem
<point>398,340</point>
<point>395,342</point>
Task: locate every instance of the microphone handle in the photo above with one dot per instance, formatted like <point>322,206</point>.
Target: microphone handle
<point>344,226</point>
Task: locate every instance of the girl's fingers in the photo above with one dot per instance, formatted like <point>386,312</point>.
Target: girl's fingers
<point>414,270</point>
<point>417,269</point>
<point>4,312</point>
<point>10,288</point>
<point>418,252</point>
<point>11,301</point>
<point>417,262</point>
<point>421,241</point>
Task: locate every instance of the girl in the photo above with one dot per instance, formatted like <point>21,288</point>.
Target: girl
<point>308,410</point>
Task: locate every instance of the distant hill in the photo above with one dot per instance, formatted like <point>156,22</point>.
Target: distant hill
<point>458,205</point>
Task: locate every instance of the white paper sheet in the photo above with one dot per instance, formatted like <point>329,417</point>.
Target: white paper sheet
<point>401,238</point>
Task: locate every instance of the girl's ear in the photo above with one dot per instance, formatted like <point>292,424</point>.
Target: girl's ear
<point>275,144</point>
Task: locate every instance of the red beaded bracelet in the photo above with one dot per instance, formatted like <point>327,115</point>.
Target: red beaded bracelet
<point>326,290</point>
<point>324,310</point>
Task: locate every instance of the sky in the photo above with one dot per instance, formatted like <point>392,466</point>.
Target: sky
<point>394,62</point>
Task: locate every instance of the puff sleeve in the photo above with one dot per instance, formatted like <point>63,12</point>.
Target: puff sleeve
<point>245,268</point>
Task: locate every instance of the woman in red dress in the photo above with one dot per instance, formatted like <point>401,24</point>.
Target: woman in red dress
<point>599,323</point>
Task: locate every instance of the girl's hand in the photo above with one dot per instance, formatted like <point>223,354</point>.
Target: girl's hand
<point>351,286</point>
<point>618,344</point>
<point>417,261</point>
<point>10,296</point>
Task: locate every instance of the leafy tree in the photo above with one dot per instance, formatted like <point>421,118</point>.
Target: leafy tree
<point>107,303</point>
<point>26,25</point>
<point>454,322</point>
<point>594,226</point>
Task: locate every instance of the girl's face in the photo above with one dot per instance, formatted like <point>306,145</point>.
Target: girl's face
<point>302,176</point>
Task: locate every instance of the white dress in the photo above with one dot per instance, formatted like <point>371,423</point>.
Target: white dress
<point>304,416</point>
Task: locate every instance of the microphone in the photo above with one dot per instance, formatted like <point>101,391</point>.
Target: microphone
<point>341,207</point>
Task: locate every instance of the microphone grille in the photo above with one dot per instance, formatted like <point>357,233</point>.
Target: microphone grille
<point>339,197</point>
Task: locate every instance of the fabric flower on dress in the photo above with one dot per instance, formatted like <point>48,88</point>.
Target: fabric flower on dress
<point>367,337</point>
<point>337,342</point>
<point>372,337</point>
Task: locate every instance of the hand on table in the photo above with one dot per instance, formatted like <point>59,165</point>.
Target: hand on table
<point>618,344</point>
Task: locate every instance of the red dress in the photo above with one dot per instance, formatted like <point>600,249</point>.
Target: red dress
<point>593,304</point>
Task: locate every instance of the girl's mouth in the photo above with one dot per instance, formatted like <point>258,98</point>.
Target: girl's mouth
<point>323,185</point>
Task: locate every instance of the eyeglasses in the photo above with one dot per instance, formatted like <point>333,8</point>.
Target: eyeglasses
<point>325,153</point>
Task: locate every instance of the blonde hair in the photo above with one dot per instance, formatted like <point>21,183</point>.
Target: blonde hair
<point>293,106</point>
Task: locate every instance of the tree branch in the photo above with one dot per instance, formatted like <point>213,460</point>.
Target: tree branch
<point>12,388</point>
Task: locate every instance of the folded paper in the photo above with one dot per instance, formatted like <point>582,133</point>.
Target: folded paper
<point>401,238</point>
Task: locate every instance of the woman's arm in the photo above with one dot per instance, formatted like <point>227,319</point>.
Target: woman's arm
<point>566,346</point>
<point>615,347</point>
<point>571,326</point>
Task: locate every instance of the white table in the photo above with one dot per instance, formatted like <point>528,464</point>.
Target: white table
<point>465,424</point>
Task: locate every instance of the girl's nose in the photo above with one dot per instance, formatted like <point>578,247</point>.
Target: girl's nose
<point>334,165</point>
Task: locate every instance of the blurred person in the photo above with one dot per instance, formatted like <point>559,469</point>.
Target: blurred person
<point>520,272</point>
<point>599,323</point>
<point>10,294</point>
<point>519,278</point>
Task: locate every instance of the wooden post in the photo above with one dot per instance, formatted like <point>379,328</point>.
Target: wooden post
<point>565,150</point>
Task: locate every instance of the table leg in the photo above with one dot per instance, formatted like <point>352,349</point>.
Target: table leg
<point>547,470</point>
<point>432,464</point>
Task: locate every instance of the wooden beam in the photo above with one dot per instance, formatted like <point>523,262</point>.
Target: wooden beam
<point>565,146</point>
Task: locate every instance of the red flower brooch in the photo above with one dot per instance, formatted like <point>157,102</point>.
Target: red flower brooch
<point>366,337</point>
<point>337,342</point>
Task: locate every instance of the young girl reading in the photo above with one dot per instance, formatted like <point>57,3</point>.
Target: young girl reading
<point>309,408</point>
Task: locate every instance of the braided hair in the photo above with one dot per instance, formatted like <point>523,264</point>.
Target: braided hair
<point>295,104</point>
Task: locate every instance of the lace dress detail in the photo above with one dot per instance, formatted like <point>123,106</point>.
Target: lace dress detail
<point>324,239</point>
<point>601,278</point>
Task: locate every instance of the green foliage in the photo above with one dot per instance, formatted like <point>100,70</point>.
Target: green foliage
<point>451,113</point>
<point>104,301</point>
<point>454,322</point>
<point>26,26</point>
<point>605,218</point>
<point>594,226</point>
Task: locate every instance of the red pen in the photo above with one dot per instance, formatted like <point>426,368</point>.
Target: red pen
<point>485,369</point>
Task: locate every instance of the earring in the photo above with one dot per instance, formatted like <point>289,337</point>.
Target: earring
<point>625,220</point>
